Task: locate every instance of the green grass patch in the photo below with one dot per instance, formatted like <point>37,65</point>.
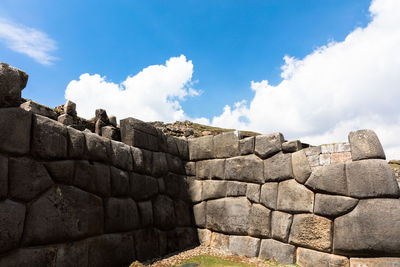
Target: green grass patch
<point>211,261</point>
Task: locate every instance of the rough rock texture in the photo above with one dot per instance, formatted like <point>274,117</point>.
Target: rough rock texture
<point>333,206</point>
<point>291,146</point>
<point>164,213</point>
<point>208,169</point>
<point>269,195</point>
<point>301,167</point>
<point>201,148</point>
<point>93,177</point>
<point>294,197</point>
<point>244,245</point>
<point>213,189</point>
<point>142,186</point>
<point>244,168</point>
<point>312,258</point>
<point>76,143</point>
<point>61,171</point>
<point>275,250</point>
<point>280,225</point>
<point>226,145</point>
<point>195,190</point>
<point>236,189</point>
<point>121,215</point>
<point>121,156</point>
<point>260,221</point>
<point>330,179</point>
<point>375,262</point>
<point>12,215</point>
<point>119,182</point>
<point>12,82</point>
<point>139,134</point>
<point>369,228</point>
<point>98,148</point>
<point>365,145</point>
<point>278,167</point>
<point>39,109</point>
<point>246,145</point>
<point>268,144</point>
<point>253,192</point>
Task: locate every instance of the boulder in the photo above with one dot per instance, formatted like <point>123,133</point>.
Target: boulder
<point>365,144</point>
<point>93,177</point>
<point>164,213</point>
<point>147,245</point>
<point>98,148</point>
<point>246,145</point>
<point>280,225</point>
<point>120,214</point>
<point>146,213</point>
<point>371,178</point>
<point>278,168</point>
<point>294,197</point>
<point>160,164</point>
<point>3,177</point>
<point>277,251</point>
<point>372,227</point>
<point>291,146</point>
<point>70,108</point>
<point>101,114</point>
<point>260,221</point>
<point>375,262</point>
<point>333,206</point>
<point>244,168</point>
<point>139,134</point>
<point>15,134</point>
<point>311,231</point>
<point>76,143</point>
<point>12,216</point>
<point>62,171</point>
<point>208,169</point>
<point>235,189</point>
<point>142,187</point>
<point>12,82</point>
<point>39,109</point>
<point>63,213</point>
<point>312,258</point>
<point>226,145</point>
<point>330,178</point>
<point>32,257</point>
<point>244,245</point>
<point>213,189</point>
<point>301,167</point>
<point>253,192</point>
<point>229,215</point>
<point>269,195</point>
<point>200,213</point>
<point>27,179</point>
<point>119,182</point>
<point>268,144</point>
<point>201,148</point>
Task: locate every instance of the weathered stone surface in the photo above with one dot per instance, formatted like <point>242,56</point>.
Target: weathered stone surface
<point>301,168</point>
<point>175,164</point>
<point>147,246</point>
<point>97,147</point>
<point>312,150</point>
<point>275,250</point>
<point>160,164</point>
<point>27,178</point>
<point>142,186</point>
<point>253,192</point>
<point>365,145</point>
<point>111,132</point>
<point>342,157</point>
<point>190,168</point>
<point>280,225</point>
<point>226,145</point>
<point>164,213</point>
<point>372,227</point>
<point>72,254</point>
<point>139,134</point>
<point>269,195</point>
<point>121,215</point>
<point>113,120</point>
<point>3,177</point>
<point>101,114</point>
<point>268,144</point>
<point>371,178</point>
<point>375,262</point>
<point>204,236</point>
<point>219,241</point>
<point>312,258</point>
<point>229,215</point>
<point>213,189</point>
<point>146,213</point>
<point>39,109</point>
<point>208,169</point>
<point>328,205</point>
<point>235,189</point>
<point>311,231</point>
<point>121,156</point>
<point>119,182</point>
<point>278,167</point>
<point>176,186</point>
<point>138,160</point>
<point>324,159</point>
<point>64,119</point>
<point>49,138</point>
<point>201,148</point>
<point>111,250</point>
<point>70,108</point>
<point>244,245</point>
<point>183,213</point>
<point>294,197</point>
<point>12,215</point>
<point>32,257</point>
<point>93,177</point>
<point>12,82</point>
<point>260,221</point>
<point>200,213</point>
<point>195,190</point>
<point>147,161</point>
<point>330,179</point>
<point>76,143</point>
<point>244,168</point>
<point>63,213</point>
<point>15,124</point>
<point>172,147</point>
<point>62,171</point>
<point>291,146</point>
<point>246,145</point>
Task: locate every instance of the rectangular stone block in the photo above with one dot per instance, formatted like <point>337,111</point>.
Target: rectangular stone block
<point>195,190</point>
<point>76,143</point>
<point>204,237</point>
<point>268,144</point>
<point>119,182</point>
<point>219,241</point>
<point>313,150</point>
<point>244,168</point>
<point>97,148</point>
<point>121,156</point>
<point>260,221</point>
<point>226,145</point>
<point>208,169</point>
<point>201,148</point>
<point>146,213</point>
<point>15,134</point>
<point>93,177</point>
<point>291,146</point>
<point>235,189</point>
<point>294,197</point>
<point>280,225</point>
<point>121,215</point>
<point>308,257</point>
<point>200,213</point>
<point>39,109</point>
<point>278,167</point>
<point>244,245</point>
<point>139,134</point>
<point>327,149</point>
<point>213,189</point>
<point>246,145</point>
<point>341,147</point>
<point>253,192</point>
<point>269,195</point>
<point>277,251</point>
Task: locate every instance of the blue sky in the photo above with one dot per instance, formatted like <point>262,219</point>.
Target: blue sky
<point>217,62</point>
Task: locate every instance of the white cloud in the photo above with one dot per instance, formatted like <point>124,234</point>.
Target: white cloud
<point>29,41</point>
<point>152,94</point>
<point>339,87</point>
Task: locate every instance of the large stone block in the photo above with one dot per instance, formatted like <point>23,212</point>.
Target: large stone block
<point>142,187</point>
<point>3,177</point>
<point>183,148</point>
<point>244,245</point>
<point>244,168</point>
<point>311,231</point>
<point>27,178</point>
<point>277,251</point>
<point>229,215</point>
<point>365,144</point>
<point>201,148</point>
<point>12,215</point>
<point>226,145</point>
<point>204,237</point>
<point>138,160</point>
<point>333,206</point>
<point>375,262</point>
<point>119,182</point>
<point>219,241</point>
<point>200,213</point>
<point>146,213</point>
<point>260,221</point>
<point>268,144</point>
<point>280,225</point>
<point>291,146</point>
<point>121,156</point>
<point>183,213</point>
<point>162,141</point>
<point>12,82</point>
<point>121,215</point>
<point>213,189</point>
<point>172,147</point>
<point>164,213</point>
<point>72,254</point>
<point>93,177</point>
<point>294,197</point>
<point>175,164</point>
<point>195,190</point>
<point>330,178</point>
<point>182,238</point>
<point>253,192</point>
<point>62,171</point>
<point>301,167</point>
<point>208,169</point>
<point>76,143</point>
<point>32,257</point>
<point>97,147</point>
<point>371,178</point>
<point>49,138</point>
<point>63,213</point>
<point>312,258</point>
<point>160,164</point>
<point>147,245</point>
<point>111,132</point>
<point>246,145</point>
<point>39,109</point>
<point>139,134</point>
<point>15,134</point>
<point>236,189</point>
<point>147,161</point>
<point>269,195</point>
<point>176,186</point>
<point>372,227</point>
<point>278,168</point>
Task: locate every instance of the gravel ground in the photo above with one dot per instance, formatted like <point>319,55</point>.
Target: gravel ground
<point>201,250</point>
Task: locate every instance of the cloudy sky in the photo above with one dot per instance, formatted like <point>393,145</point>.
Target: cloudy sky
<point>313,70</point>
